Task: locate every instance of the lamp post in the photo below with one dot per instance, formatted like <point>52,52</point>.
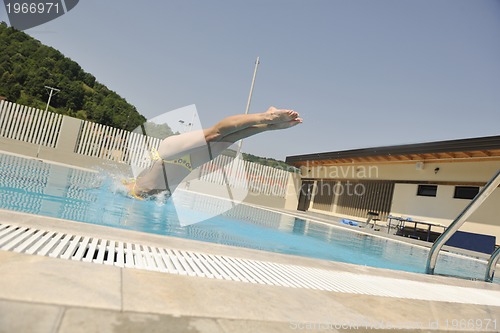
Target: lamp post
<point>257,62</point>
<point>52,89</point>
<point>186,125</point>
<point>50,95</point>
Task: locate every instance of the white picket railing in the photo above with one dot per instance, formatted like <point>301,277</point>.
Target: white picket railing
<point>20,122</point>
<point>114,144</point>
<point>132,148</point>
<point>248,175</point>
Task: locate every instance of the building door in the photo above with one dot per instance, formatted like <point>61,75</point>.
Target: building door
<point>305,195</point>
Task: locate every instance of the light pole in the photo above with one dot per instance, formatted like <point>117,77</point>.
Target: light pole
<point>188,126</point>
<point>185,125</point>
<point>52,89</point>
<point>257,62</point>
<point>50,95</point>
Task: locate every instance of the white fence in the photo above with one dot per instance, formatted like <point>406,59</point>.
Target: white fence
<point>28,124</point>
<point>114,144</point>
<point>252,176</point>
<point>35,126</point>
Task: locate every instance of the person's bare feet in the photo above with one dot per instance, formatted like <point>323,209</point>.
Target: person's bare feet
<point>275,116</point>
<point>285,124</point>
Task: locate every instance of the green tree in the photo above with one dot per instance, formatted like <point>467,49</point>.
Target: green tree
<point>159,131</point>
<point>27,66</point>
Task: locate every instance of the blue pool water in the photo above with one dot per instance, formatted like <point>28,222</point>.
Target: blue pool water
<point>31,186</point>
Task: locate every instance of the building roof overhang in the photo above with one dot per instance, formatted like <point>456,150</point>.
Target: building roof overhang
<point>483,148</point>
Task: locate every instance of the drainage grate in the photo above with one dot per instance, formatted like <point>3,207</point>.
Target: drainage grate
<point>131,255</point>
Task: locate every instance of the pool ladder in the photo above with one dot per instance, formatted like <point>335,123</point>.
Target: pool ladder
<point>459,221</point>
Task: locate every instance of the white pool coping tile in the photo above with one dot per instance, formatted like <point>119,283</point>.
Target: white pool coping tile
<point>142,256</point>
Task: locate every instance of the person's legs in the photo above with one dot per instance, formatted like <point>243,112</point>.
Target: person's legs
<point>252,130</point>
<point>205,145</point>
<point>237,123</point>
<point>182,144</point>
<point>215,148</point>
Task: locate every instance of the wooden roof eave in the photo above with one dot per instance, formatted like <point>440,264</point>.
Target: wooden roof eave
<point>406,158</point>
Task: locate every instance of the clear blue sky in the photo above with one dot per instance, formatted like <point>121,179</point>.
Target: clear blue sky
<point>361,73</point>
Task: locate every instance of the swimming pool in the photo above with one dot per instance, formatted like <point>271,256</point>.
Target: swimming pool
<point>32,186</point>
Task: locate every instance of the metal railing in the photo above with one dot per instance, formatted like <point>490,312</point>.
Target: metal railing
<point>460,220</point>
<point>492,263</point>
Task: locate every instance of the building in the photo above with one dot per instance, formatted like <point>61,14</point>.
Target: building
<point>430,182</point>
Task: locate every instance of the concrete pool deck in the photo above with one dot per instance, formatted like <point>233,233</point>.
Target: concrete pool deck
<point>42,294</point>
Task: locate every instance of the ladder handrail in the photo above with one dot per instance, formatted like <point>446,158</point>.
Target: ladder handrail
<point>492,263</point>
<point>460,220</point>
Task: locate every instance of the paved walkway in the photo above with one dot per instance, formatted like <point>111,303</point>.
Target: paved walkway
<point>43,294</point>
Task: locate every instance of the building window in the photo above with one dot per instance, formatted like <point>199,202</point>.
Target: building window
<point>465,192</point>
<point>427,190</point>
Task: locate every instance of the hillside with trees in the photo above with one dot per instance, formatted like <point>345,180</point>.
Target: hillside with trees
<point>27,66</point>
<point>269,162</point>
